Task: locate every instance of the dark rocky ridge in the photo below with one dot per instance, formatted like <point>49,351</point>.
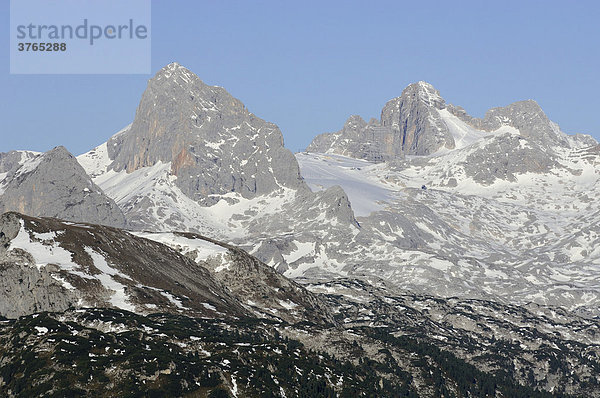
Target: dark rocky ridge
<point>395,342</point>
<point>154,277</point>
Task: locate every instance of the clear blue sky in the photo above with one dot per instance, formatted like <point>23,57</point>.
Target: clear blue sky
<point>307,66</point>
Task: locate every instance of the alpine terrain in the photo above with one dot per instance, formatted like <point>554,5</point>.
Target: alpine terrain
<point>427,253</point>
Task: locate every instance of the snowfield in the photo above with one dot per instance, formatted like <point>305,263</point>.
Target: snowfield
<point>358,178</point>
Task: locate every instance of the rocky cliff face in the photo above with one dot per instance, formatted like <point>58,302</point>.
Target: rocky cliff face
<point>53,184</point>
<point>213,143</point>
<point>409,125</point>
<point>414,124</point>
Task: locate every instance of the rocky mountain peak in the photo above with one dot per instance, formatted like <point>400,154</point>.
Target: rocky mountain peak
<point>54,184</point>
<point>414,125</point>
<point>420,122</point>
<point>409,125</point>
<point>520,109</point>
<point>175,82</point>
<point>355,121</point>
<point>213,144</point>
<point>423,92</point>
<point>174,71</point>
<point>531,121</point>
<point>58,152</point>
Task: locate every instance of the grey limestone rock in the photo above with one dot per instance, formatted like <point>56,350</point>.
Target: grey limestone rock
<point>504,157</point>
<point>55,265</point>
<point>416,127</point>
<point>529,119</point>
<point>266,292</point>
<point>26,290</point>
<point>214,144</point>
<point>412,125</point>
<point>53,184</point>
<point>409,125</point>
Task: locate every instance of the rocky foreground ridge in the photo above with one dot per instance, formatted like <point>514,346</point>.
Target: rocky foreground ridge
<point>200,317</point>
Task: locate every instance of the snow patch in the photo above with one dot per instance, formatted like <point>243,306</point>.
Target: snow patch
<point>119,298</point>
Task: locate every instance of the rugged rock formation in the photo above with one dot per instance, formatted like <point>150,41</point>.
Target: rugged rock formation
<point>53,184</point>
<point>419,122</point>
<point>56,265</point>
<point>213,143</point>
<point>259,287</point>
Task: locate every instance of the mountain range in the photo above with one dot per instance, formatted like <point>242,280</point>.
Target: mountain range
<point>420,248</point>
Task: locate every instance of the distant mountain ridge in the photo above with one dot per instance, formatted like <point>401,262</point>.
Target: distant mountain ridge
<point>400,230</point>
<point>420,123</point>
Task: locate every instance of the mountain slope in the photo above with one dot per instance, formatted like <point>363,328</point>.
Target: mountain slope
<point>51,265</point>
<point>389,345</point>
<point>500,208</point>
<point>259,287</point>
<point>532,239</point>
<point>56,265</point>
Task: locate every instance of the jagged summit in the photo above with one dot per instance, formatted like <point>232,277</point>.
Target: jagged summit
<point>355,121</point>
<point>174,65</point>
<point>212,143</point>
<point>420,122</point>
<point>409,125</point>
<point>425,92</point>
<point>171,69</point>
<point>195,159</point>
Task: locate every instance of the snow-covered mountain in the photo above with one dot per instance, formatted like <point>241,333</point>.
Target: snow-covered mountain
<point>205,164</point>
<point>505,209</point>
<point>419,122</point>
<point>505,214</point>
<point>428,253</point>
